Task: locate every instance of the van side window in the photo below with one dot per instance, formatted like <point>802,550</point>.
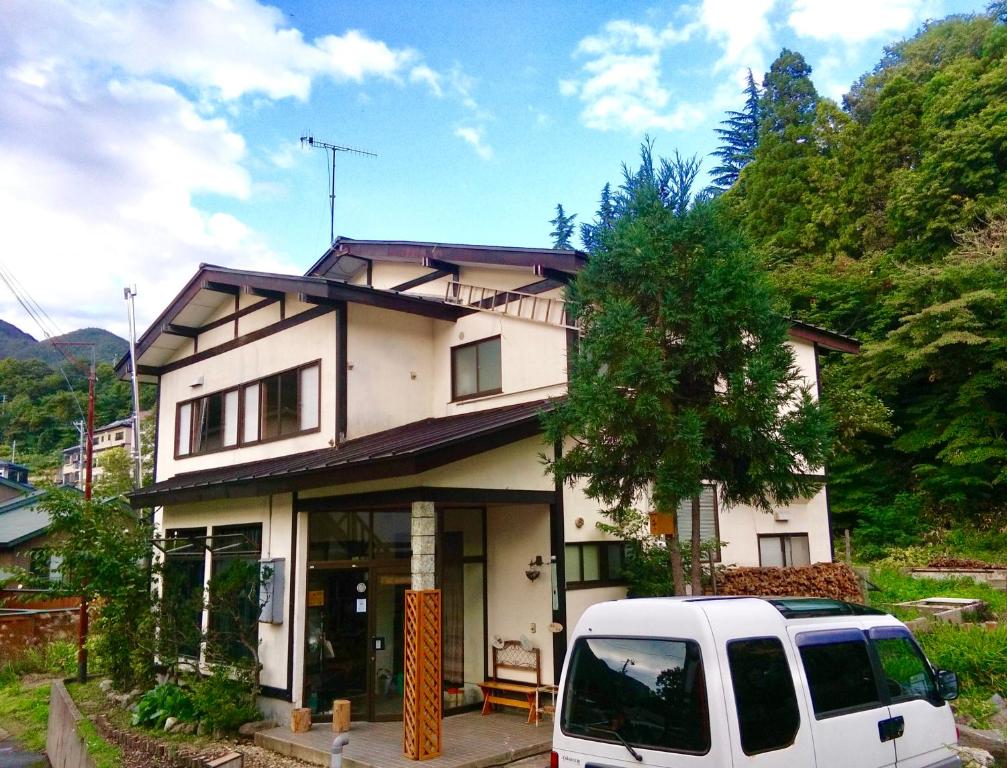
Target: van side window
<point>768,717</point>
<point>839,672</point>
<point>645,692</point>
<point>907,672</point>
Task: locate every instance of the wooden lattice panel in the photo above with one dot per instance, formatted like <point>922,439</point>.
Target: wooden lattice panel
<point>422,680</point>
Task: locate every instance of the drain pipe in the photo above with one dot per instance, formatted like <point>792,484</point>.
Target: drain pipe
<point>337,750</point>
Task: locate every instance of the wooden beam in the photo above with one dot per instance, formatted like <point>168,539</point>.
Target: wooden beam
<point>230,290</point>
<point>553,274</point>
<point>265,293</point>
<point>180,330</point>
<point>427,278</point>
<point>446,266</point>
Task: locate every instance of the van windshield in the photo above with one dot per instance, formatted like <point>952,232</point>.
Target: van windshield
<point>645,692</point>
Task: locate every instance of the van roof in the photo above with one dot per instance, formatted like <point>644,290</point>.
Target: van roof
<point>691,615</point>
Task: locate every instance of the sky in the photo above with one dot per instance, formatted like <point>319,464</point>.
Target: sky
<point>139,139</point>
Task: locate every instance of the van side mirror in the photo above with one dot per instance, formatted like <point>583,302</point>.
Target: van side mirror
<point>947,684</point>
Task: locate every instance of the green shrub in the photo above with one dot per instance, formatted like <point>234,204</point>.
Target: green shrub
<point>881,528</point>
<point>164,701</point>
<point>57,658</point>
<point>224,702</point>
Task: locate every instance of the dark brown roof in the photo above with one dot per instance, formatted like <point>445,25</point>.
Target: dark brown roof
<point>568,261</point>
<point>402,451</point>
<point>824,338</point>
<point>211,279</point>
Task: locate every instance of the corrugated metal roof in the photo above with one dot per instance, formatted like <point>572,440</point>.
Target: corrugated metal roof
<point>406,442</point>
<point>21,520</point>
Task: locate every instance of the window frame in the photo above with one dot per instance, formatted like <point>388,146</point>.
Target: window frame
<point>455,397</point>
<point>196,536</point>
<point>239,389</point>
<point>218,561</point>
<point>716,515</point>
<point>782,537</point>
<point>603,565</point>
<point>828,637</point>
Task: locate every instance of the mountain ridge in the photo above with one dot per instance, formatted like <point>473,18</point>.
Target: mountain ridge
<point>15,343</point>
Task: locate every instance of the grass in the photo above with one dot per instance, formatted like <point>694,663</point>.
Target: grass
<point>896,587</point>
<point>103,754</point>
<point>24,713</point>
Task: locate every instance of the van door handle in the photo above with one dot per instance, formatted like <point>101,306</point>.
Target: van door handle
<point>892,728</point>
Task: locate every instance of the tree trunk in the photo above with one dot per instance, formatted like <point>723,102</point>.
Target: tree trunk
<point>696,566</point>
<point>675,559</point>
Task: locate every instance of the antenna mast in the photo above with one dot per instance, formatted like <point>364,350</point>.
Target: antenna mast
<point>311,141</point>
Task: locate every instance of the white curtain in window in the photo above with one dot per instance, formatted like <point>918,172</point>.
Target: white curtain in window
<point>250,433</point>
<point>231,417</point>
<point>184,429</point>
<point>308,400</point>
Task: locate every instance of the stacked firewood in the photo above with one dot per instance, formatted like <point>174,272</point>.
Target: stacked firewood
<point>835,580</point>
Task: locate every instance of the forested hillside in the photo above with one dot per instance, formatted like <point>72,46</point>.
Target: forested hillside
<point>886,218</point>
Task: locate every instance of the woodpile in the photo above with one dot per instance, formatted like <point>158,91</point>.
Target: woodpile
<point>964,564</point>
<point>835,580</point>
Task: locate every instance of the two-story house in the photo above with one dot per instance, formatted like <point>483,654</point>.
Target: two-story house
<point>373,426</point>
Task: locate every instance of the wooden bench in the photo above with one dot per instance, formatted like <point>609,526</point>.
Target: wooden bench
<point>513,693</point>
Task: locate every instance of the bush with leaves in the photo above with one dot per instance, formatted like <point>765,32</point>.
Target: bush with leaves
<point>884,527</point>
<point>102,546</point>
<point>164,701</point>
<point>223,701</point>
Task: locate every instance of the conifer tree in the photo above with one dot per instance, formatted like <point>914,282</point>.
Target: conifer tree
<point>739,138</point>
<point>562,229</point>
<point>683,375</point>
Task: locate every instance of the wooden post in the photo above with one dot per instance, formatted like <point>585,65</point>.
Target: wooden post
<point>340,716</point>
<point>849,552</point>
<point>713,573</point>
<point>422,697</point>
<point>300,720</point>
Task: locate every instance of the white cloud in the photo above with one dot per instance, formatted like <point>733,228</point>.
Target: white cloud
<point>230,47</point>
<point>854,21</point>
<point>120,157</point>
<point>473,136</point>
<point>741,28</point>
<point>621,85</point>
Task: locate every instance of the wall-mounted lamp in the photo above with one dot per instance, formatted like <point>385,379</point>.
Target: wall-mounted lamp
<point>534,568</point>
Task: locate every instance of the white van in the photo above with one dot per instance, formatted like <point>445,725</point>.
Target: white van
<point>774,683</point>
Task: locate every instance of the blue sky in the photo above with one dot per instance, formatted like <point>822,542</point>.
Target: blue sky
<point>140,139</point>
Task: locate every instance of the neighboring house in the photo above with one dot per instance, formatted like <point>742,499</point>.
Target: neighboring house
<point>13,479</point>
<point>117,434</point>
<point>373,426</point>
<point>24,537</point>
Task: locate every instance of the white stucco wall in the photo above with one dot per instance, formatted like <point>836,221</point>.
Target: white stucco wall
<point>389,383</point>
<point>312,340</point>
<point>515,605</point>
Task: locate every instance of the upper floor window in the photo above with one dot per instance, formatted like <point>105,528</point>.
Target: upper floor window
<point>709,524</point>
<point>280,405</point>
<point>475,369</point>
<point>118,435</point>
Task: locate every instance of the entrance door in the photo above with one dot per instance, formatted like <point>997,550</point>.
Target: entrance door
<point>336,659</point>
<point>355,640</point>
<point>388,598</point>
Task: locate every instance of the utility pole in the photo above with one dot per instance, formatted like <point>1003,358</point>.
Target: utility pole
<point>129,293</point>
<point>311,141</point>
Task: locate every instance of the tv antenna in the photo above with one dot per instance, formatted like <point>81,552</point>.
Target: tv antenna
<point>311,141</point>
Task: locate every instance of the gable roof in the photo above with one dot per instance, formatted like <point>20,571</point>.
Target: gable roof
<point>400,451</point>
<point>21,520</point>
<point>192,308</point>
<point>541,260</point>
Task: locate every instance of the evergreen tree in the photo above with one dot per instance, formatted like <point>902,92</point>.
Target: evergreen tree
<point>683,374</point>
<point>739,138</point>
<point>562,228</point>
<point>591,234</point>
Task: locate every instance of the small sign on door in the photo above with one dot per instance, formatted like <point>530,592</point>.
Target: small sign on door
<point>361,605</point>
<point>316,598</point>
